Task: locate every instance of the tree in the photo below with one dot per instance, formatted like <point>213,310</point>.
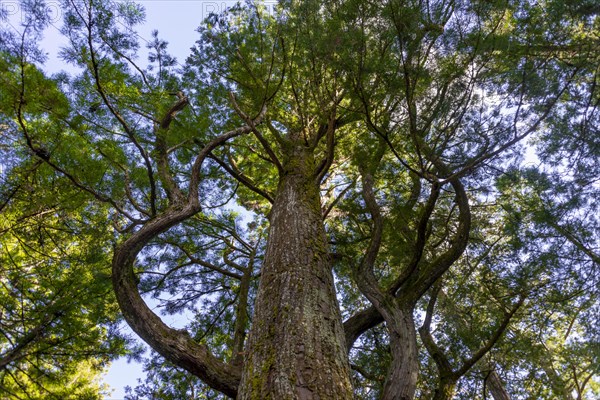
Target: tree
<point>375,149</point>
<point>57,314</point>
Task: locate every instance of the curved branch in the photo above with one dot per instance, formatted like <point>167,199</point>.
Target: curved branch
<point>429,273</point>
<point>195,176</point>
<point>441,361</point>
<point>176,346</point>
<point>174,193</point>
<point>365,277</point>
<point>359,323</point>
<point>330,142</point>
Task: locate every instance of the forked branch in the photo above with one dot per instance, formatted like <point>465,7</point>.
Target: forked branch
<point>175,345</point>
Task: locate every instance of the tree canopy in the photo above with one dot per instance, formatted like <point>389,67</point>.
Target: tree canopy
<point>374,200</point>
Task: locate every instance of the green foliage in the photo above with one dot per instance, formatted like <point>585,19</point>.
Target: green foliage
<point>58,314</point>
<point>426,98</point>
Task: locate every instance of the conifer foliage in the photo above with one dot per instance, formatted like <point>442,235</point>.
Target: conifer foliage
<point>345,199</point>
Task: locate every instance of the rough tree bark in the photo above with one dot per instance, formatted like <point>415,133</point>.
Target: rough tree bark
<point>401,381</point>
<point>496,387</point>
<point>296,347</point>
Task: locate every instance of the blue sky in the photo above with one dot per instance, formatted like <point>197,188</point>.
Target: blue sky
<point>176,21</point>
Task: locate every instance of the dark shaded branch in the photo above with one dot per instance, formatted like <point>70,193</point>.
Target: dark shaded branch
<point>176,346</point>
<point>174,193</point>
<point>241,315</point>
<point>467,364</point>
<point>323,168</point>
<point>181,103</point>
<point>415,191</point>
<point>365,278</point>
<point>242,178</point>
<point>359,323</point>
<point>278,137</point>
<point>230,262</point>
<point>420,241</point>
<point>441,361</point>
<point>265,144</point>
<point>419,283</point>
<point>45,156</point>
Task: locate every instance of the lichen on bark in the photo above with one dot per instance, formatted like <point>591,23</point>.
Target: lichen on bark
<point>296,347</point>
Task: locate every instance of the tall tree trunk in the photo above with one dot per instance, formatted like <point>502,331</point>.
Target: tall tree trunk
<point>296,347</point>
<point>496,387</point>
<point>401,382</point>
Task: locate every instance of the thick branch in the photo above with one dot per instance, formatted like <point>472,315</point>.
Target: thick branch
<point>441,361</point>
<point>365,278</point>
<point>359,323</point>
<point>176,346</point>
<point>330,136</point>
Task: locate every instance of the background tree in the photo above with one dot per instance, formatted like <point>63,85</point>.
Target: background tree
<point>57,315</point>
